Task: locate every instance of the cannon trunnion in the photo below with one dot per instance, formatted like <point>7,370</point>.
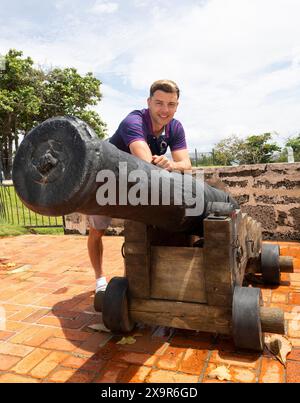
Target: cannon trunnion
<point>178,281</point>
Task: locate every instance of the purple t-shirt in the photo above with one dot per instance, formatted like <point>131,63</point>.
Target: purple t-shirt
<point>137,126</point>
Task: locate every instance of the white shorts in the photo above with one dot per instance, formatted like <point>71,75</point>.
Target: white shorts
<point>99,222</point>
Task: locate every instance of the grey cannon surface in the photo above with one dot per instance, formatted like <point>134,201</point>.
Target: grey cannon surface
<point>57,166</point>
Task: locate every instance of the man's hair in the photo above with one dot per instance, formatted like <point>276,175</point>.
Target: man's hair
<point>166,86</point>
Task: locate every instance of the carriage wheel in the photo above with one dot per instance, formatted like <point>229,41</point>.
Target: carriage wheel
<point>270,266</point>
<point>115,313</point>
<point>246,323</point>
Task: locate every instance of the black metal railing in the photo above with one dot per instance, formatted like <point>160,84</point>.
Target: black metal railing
<point>13,211</point>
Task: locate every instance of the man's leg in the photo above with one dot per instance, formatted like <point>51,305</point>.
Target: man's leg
<point>98,224</point>
<point>95,249</point>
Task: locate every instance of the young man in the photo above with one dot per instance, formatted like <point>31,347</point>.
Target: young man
<point>147,134</point>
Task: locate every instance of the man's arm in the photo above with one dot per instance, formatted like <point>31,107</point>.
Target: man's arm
<point>141,150</point>
<point>181,161</point>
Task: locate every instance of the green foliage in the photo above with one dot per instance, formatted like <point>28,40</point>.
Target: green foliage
<point>294,142</point>
<point>228,151</point>
<point>258,150</point>
<point>29,95</point>
<point>255,149</point>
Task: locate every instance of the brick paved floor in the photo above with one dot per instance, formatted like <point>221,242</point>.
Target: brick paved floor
<point>47,307</point>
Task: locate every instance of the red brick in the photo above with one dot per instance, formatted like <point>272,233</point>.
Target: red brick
<point>211,367</point>
<point>87,364</point>
<point>7,362</point>
<point>55,343</point>
<point>81,320</point>
<point>11,378</point>
<point>93,344</point>
<point>30,361</point>
<point>294,328</point>
<point>243,375</point>
<point>272,371</point>
<point>112,373</point>
<point>296,264</point>
<point>14,326</point>
<point>293,371</point>
<point>294,298</point>
<point>239,360</point>
<point>74,335</point>
<point>45,367</point>
<point>23,313</point>
<point>50,321</point>
<point>193,361</point>
<point>135,358</point>
<point>146,344</point>
<point>294,355</point>
<point>295,277</point>
<point>190,339</point>
<point>14,349</point>
<point>136,374</point>
<point>40,337</point>
<point>160,376</point>
<point>295,342</point>
<point>71,376</point>
<point>25,334</point>
<point>4,335</point>
<point>236,374</point>
<point>35,316</point>
<point>171,358</point>
<point>280,297</point>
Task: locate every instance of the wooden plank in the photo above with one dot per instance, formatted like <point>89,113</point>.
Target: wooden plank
<point>177,274</point>
<point>218,299</point>
<point>137,258</point>
<point>137,269</point>
<point>160,237</point>
<point>135,231</point>
<point>240,252</point>
<point>136,248</point>
<point>182,315</point>
<point>212,226</point>
<point>253,238</point>
<point>218,261</point>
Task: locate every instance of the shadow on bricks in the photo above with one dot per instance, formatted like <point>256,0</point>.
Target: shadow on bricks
<point>159,354</point>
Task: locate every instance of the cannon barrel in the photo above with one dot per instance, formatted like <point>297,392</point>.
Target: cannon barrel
<point>58,170</point>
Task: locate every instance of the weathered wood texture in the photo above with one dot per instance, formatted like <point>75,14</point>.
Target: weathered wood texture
<point>177,274</point>
<point>182,315</point>
<point>194,316</point>
<point>218,261</point>
<point>137,258</point>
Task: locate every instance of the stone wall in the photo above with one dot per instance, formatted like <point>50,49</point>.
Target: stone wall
<point>270,193</point>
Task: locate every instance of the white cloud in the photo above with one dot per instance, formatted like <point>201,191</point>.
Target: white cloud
<point>104,7</point>
<point>237,62</point>
<point>116,105</point>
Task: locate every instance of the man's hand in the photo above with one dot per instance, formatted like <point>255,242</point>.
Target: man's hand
<point>163,162</point>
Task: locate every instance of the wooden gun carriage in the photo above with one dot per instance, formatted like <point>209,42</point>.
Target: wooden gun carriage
<point>177,281</point>
<point>171,278</point>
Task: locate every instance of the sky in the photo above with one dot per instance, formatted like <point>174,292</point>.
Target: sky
<point>236,62</point>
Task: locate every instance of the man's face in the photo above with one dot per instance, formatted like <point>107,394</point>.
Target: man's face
<point>162,107</point>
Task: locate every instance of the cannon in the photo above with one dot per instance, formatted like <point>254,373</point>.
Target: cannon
<point>185,263</point>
